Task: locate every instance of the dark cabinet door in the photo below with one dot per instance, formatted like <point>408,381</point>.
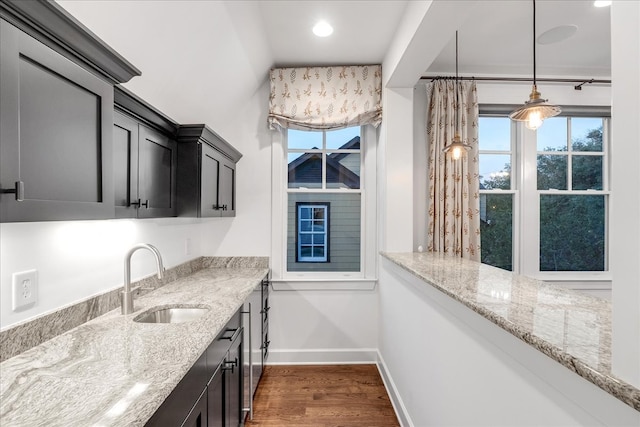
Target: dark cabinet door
<point>227,188</point>
<point>216,400</point>
<point>210,165</point>
<point>144,170</point>
<point>158,157</point>
<point>198,415</point>
<point>125,166</point>
<point>55,134</point>
<point>233,384</point>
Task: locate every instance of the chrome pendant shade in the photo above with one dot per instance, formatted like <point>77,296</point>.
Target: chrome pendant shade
<point>535,110</point>
<point>457,146</point>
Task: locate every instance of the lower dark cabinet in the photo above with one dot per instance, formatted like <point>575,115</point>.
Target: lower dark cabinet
<point>198,415</point>
<point>210,394</point>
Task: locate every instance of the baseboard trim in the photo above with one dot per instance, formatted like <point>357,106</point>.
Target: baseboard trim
<point>392,391</point>
<point>322,356</point>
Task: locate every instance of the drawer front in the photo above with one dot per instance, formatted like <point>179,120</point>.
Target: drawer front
<point>219,347</point>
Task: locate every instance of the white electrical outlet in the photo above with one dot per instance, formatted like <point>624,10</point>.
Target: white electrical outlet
<point>25,289</point>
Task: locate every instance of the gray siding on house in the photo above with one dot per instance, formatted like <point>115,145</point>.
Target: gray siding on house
<point>344,232</point>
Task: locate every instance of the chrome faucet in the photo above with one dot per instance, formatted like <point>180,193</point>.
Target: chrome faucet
<point>126,296</point>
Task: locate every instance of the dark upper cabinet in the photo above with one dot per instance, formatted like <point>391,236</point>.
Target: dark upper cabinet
<point>55,134</point>
<point>206,173</point>
<point>145,160</point>
<point>56,115</point>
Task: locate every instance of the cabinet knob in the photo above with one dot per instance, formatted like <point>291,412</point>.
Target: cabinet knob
<point>18,190</point>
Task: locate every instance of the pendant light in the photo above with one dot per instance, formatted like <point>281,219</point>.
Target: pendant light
<point>536,109</point>
<point>457,147</point>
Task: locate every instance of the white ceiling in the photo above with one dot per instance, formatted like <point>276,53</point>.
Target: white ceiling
<point>496,40</point>
<point>362,33</point>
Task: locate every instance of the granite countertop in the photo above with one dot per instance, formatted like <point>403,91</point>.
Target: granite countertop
<point>572,328</point>
<point>114,371</point>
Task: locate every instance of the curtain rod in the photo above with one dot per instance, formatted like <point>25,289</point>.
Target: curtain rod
<point>522,79</point>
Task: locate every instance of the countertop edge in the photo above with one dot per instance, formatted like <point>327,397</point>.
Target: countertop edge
<point>620,389</point>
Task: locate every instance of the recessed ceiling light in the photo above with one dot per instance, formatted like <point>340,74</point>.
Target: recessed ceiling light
<point>557,34</point>
<point>322,29</point>
<point>602,3</point>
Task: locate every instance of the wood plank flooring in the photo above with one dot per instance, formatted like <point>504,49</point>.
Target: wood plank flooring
<point>322,396</point>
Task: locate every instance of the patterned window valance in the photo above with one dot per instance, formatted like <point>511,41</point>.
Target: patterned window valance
<point>310,98</point>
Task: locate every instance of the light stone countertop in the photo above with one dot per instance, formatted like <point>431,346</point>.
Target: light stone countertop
<point>571,328</point>
<point>112,371</point>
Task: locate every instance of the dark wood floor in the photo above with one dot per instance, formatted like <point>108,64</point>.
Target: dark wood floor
<point>322,396</point>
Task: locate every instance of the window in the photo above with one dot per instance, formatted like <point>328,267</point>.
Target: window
<point>324,206</point>
<point>544,195</point>
<point>312,236</point>
<point>323,181</point>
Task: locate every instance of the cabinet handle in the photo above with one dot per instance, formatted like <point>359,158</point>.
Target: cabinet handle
<point>266,310</point>
<point>139,204</point>
<point>234,333</point>
<point>18,190</point>
<point>230,365</point>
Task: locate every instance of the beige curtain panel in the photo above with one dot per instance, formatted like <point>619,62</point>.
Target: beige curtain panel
<point>453,223</point>
<point>316,98</point>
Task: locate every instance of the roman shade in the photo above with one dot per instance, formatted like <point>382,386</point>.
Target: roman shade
<point>317,98</point>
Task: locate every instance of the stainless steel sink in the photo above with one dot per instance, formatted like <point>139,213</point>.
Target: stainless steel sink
<point>171,315</point>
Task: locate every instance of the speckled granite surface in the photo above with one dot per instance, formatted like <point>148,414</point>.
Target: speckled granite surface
<point>572,328</point>
<point>112,371</point>
<point>19,338</point>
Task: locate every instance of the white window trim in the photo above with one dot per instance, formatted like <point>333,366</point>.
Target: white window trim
<point>362,280</point>
<point>529,210</point>
<point>526,241</point>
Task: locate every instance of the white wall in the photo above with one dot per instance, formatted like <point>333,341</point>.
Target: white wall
<point>78,259</point>
<point>625,209</point>
<point>450,366</point>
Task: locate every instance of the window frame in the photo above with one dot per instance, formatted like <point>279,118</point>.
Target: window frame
<point>526,196</point>
<point>366,278</point>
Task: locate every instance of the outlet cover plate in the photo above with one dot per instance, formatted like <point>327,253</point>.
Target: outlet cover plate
<point>25,289</point>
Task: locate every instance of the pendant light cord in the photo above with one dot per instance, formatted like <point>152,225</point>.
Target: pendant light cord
<point>534,42</point>
<point>456,88</point>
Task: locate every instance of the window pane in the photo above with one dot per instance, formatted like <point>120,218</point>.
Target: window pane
<point>318,252</point>
<point>496,230</point>
<point>348,138</point>
<point>552,135</point>
<point>494,133</point>
<point>305,251</point>
<point>318,213</point>
<point>495,171</point>
<point>343,170</point>
<point>306,239</point>
<point>586,134</point>
<point>552,172</point>
<point>572,233</point>
<point>587,173</point>
<point>305,226</point>
<point>305,170</point>
<point>305,212</point>
<point>299,139</point>
<point>318,226</point>
<point>341,243</point>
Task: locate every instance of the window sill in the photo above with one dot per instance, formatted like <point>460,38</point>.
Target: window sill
<point>324,284</point>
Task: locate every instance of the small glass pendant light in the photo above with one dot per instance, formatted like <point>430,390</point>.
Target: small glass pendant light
<point>535,110</point>
<point>457,147</point>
